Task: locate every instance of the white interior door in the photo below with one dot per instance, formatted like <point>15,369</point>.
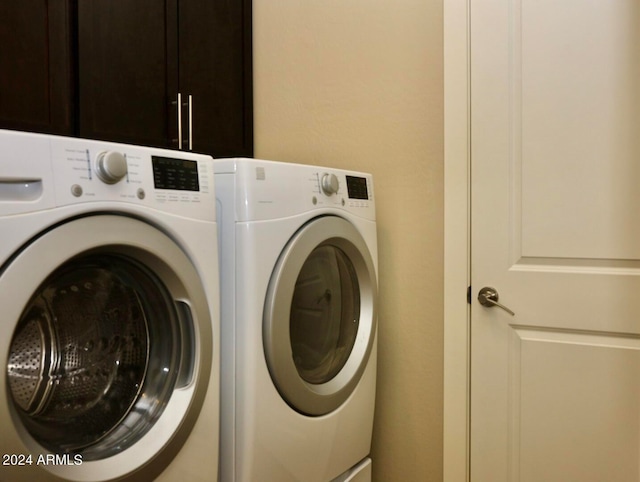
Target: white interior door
<point>555,156</point>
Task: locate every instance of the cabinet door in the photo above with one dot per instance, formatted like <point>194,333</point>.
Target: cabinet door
<point>135,56</point>
<point>36,66</point>
<point>127,70</point>
<point>215,68</point>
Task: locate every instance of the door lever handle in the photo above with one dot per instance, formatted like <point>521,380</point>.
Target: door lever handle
<point>489,297</point>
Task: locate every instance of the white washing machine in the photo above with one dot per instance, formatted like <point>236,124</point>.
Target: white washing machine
<point>110,316</point>
<point>298,295</point>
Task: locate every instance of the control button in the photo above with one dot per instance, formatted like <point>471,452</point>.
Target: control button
<point>329,184</point>
<point>140,193</point>
<point>111,166</point>
<point>76,190</point>
<point>314,200</point>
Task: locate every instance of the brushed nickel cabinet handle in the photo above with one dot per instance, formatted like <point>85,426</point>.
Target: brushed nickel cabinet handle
<point>179,120</point>
<point>190,122</point>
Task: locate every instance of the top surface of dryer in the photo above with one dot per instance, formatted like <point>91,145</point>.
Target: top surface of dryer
<point>270,190</point>
<point>40,172</point>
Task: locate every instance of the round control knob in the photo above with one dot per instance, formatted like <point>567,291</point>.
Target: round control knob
<point>111,166</point>
<point>329,184</point>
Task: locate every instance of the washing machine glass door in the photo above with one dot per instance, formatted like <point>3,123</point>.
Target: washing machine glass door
<point>97,330</point>
<point>319,323</point>
<point>110,328</point>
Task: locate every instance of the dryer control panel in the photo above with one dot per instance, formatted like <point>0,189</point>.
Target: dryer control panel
<point>271,190</point>
<point>47,171</point>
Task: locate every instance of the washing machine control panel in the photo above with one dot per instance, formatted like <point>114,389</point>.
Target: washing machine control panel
<point>172,181</point>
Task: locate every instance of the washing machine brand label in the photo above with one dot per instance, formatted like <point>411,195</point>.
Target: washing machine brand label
<point>24,460</point>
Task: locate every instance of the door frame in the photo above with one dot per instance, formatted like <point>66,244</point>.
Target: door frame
<point>457,253</point>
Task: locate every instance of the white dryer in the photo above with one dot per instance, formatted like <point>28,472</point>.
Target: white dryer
<point>298,295</point>
<point>110,316</point>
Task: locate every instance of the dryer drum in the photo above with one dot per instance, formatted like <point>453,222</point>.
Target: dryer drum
<point>82,349</point>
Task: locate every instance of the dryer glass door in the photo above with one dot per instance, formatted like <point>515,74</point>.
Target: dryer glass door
<point>325,314</point>
<point>319,320</point>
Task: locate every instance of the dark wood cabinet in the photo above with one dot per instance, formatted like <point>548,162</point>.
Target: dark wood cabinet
<point>36,66</point>
<point>127,63</point>
<point>215,68</point>
<point>126,71</point>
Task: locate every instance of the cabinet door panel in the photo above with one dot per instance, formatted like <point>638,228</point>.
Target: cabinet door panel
<point>35,66</point>
<point>126,78</point>
<point>215,68</point>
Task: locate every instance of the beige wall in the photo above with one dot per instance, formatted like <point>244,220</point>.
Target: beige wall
<point>358,84</point>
